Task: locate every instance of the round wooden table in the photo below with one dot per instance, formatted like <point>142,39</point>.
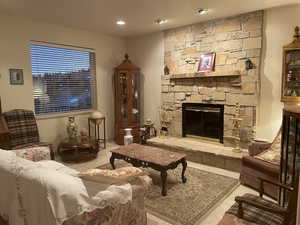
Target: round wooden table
<point>78,149</point>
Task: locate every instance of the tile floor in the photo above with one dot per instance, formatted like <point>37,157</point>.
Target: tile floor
<point>211,218</point>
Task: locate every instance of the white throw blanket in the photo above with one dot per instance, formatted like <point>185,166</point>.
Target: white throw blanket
<point>45,193</point>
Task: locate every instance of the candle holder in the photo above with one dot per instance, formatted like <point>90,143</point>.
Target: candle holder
<point>236,131</point>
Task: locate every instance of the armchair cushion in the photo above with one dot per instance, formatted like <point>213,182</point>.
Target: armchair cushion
<point>258,147</point>
<point>267,168</point>
<point>272,154</point>
<point>255,215</point>
<point>253,169</point>
<point>34,154</point>
<point>120,175</point>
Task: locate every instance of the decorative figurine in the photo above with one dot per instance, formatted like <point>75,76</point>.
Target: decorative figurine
<point>128,138</point>
<point>253,134</point>
<point>84,134</point>
<point>72,128</point>
<point>148,131</point>
<point>236,120</point>
<point>249,64</point>
<point>143,139</point>
<point>166,70</point>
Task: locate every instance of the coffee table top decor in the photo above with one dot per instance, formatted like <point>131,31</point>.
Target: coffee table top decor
<point>149,154</point>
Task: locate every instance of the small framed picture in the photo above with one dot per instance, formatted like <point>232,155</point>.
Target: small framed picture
<point>207,62</point>
<point>16,76</point>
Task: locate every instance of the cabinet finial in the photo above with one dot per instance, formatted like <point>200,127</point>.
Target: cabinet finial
<point>126,58</point>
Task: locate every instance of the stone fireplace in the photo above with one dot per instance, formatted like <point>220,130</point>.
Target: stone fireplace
<point>203,120</point>
<point>234,40</point>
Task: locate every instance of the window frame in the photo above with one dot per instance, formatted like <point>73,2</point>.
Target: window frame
<point>94,101</point>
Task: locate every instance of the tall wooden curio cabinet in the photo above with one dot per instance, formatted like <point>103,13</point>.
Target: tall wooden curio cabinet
<point>127,100</point>
<point>290,93</point>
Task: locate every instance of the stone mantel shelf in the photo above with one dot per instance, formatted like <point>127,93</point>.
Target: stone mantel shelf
<point>205,74</point>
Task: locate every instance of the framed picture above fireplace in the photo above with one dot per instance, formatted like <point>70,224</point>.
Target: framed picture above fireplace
<point>207,62</point>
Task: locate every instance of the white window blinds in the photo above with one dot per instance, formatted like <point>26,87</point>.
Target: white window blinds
<point>63,79</point>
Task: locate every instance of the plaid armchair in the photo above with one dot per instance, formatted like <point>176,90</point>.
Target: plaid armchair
<point>23,130</point>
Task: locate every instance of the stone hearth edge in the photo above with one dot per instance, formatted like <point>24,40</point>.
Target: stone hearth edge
<point>203,153</point>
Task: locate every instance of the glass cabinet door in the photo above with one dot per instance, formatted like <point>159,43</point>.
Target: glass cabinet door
<point>292,74</point>
<point>290,155</point>
<point>135,97</point>
<point>123,97</point>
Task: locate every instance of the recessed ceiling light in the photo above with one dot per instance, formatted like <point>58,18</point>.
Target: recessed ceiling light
<point>201,11</point>
<point>160,21</point>
<point>121,22</point>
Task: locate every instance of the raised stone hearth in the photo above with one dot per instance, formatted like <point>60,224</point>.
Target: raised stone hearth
<point>234,40</point>
<point>201,152</point>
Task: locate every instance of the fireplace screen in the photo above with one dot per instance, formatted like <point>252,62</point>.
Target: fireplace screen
<point>203,120</point>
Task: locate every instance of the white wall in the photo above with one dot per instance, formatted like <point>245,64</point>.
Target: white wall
<point>279,27</point>
<point>14,53</point>
<point>147,52</point>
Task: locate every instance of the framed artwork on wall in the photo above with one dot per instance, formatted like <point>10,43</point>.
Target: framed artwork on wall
<point>207,62</point>
<point>16,76</point>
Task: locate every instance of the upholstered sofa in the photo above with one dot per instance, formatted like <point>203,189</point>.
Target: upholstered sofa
<point>263,162</point>
<point>49,189</point>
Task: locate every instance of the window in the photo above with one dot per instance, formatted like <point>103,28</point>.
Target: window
<point>62,79</point>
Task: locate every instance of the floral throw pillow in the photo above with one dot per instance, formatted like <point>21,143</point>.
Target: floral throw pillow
<point>272,154</point>
<point>121,175</point>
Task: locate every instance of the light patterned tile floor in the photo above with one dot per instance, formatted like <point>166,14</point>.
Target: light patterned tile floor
<point>211,218</point>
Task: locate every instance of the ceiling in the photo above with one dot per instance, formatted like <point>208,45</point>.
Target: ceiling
<point>101,15</point>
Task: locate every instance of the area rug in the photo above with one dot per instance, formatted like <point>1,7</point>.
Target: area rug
<point>185,204</point>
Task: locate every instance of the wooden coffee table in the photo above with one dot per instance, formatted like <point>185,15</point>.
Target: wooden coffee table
<point>155,158</point>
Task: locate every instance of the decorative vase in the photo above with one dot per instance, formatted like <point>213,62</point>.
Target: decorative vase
<point>72,128</point>
<point>128,138</point>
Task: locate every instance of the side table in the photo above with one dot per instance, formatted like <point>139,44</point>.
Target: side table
<point>97,122</point>
<point>78,149</point>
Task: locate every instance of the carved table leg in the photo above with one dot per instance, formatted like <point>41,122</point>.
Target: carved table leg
<point>112,161</point>
<point>184,165</point>
<point>163,175</point>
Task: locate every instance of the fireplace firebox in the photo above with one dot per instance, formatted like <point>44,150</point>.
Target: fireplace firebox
<point>203,120</point>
